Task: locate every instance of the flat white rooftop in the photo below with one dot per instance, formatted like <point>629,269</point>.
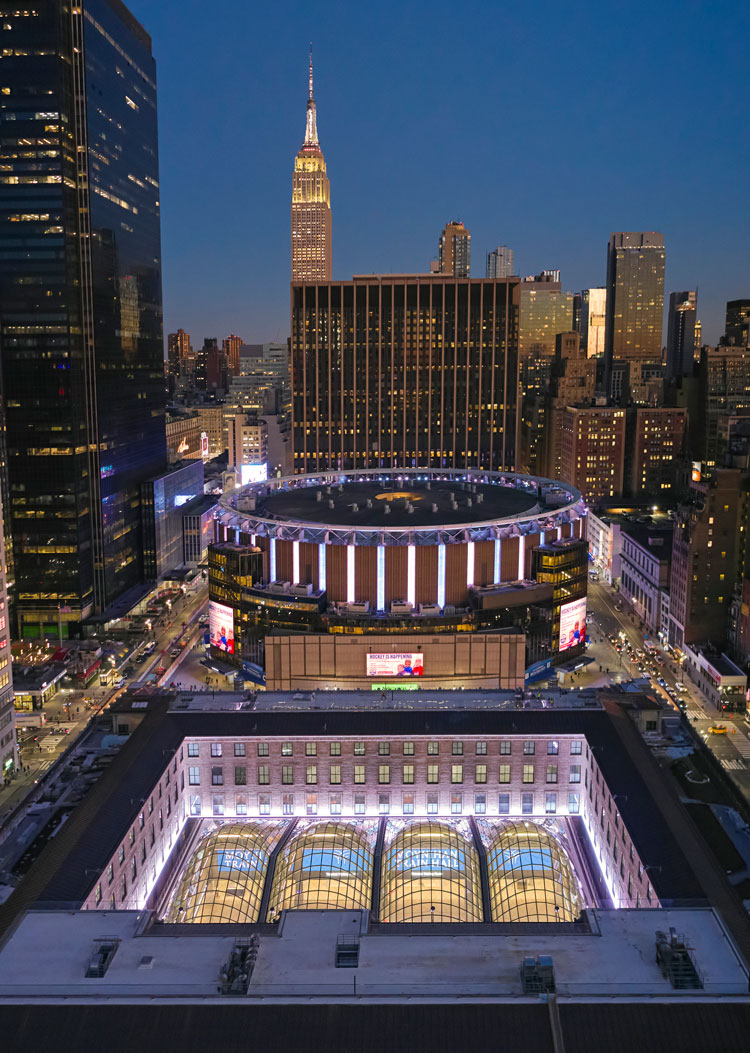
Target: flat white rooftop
<point>265,701</point>
<point>46,957</point>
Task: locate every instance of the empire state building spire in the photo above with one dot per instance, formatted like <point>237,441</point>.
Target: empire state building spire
<point>311,131</point>
<point>311,203</point>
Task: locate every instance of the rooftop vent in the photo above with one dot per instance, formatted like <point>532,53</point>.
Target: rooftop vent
<point>538,975</point>
<point>234,978</point>
<point>347,952</point>
<point>105,949</point>
<point>675,959</point>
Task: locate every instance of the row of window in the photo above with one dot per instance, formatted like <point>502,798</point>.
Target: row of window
<point>384,774</point>
<point>384,748</point>
<point>311,801</point>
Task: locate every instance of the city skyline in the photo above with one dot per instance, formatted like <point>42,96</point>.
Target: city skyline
<point>225,226</point>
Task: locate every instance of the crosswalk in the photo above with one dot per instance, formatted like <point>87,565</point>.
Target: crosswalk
<point>742,744</point>
<point>736,764</point>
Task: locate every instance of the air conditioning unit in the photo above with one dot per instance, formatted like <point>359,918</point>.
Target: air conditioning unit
<point>429,609</point>
<point>302,590</point>
<point>356,608</point>
<point>280,586</point>
<point>401,607</point>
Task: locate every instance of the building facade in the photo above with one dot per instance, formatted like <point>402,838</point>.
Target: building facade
<point>655,441</point>
<point>163,502</point>
<point>407,371</point>
<point>248,446</point>
<point>183,431</point>
<point>593,321</point>
<point>454,250</point>
<point>681,324</point>
<point>592,450</point>
<point>500,263</point>
<point>645,570</point>
<point>604,535</point>
<point>80,302</point>
<point>8,746</point>
<point>635,298</point>
<point>737,326</point>
<point>311,204</point>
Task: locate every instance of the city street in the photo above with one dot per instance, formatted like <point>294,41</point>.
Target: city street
<point>609,613</point>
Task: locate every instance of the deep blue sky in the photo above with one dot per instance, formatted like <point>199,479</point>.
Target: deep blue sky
<point>542,126</point>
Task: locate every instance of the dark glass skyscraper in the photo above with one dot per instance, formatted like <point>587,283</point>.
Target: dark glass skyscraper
<point>405,371</point>
<point>80,301</point>
<point>681,333</point>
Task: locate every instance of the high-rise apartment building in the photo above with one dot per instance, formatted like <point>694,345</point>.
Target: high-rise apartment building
<point>655,437</point>
<point>635,298</point>
<point>724,387</point>
<point>592,450</point>
<point>593,321</point>
<point>311,204</point>
<point>454,250</point>
<point>80,302</point>
<point>706,557</point>
<point>681,323</point>
<point>231,348</point>
<point>500,262</point>
<point>737,326</point>
<point>404,371</point>
<point>248,445</point>
<point>572,383</point>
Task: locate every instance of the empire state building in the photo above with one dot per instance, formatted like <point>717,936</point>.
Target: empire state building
<point>311,205</point>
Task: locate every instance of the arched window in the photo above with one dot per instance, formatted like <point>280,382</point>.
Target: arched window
<point>326,866</point>
<point>530,876</point>
<point>223,882</point>
<point>430,873</point>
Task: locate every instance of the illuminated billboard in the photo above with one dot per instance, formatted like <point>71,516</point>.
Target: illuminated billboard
<point>253,473</point>
<point>572,624</point>
<point>221,626</point>
<point>395,665</point>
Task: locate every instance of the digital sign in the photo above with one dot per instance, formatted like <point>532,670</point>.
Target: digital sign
<point>572,624</point>
<point>221,626</point>
<point>395,665</point>
<point>253,473</point>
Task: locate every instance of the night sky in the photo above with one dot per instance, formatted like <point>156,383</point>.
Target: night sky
<point>542,126</point>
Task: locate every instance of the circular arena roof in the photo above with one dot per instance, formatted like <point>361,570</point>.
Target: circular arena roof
<point>378,505</point>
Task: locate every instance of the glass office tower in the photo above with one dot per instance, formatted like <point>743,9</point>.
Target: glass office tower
<point>80,302</point>
<point>405,371</point>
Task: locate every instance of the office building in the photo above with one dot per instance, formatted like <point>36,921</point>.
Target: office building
<point>737,326</point>
<point>500,263</point>
<point>395,562</point>
<point>707,557</point>
<point>723,388</point>
<point>454,250</point>
<point>197,529</point>
<point>635,299</point>
<point>311,204</point>
<point>211,423</point>
<point>655,441</point>
<point>231,348</point>
<point>681,326</point>
<point>163,502</point>
<point>593,321</point>
<point>80,302</point>
<point>645,569</point>
<point>183,430</point>
<point>604,535</point>
<point>572,383</point>
<point>592,450</point>
<point>8,747</point>
<point>248,446</point>
<point>323,869</point>
<point>178,352</point>
<point>426,376</point>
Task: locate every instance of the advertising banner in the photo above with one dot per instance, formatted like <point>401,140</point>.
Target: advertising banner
<point>253,473</point>
<point>395,665</point>
<point>221,626</point>
<point>572,624</point>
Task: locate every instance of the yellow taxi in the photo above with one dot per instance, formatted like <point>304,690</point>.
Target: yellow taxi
<point>718,729</point>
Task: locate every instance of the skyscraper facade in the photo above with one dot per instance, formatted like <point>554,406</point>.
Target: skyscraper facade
<point>231,348</point>
<point>454,250</point>
<point>635,298</point>
<point>404,371</point>
<point>681,322</point>
<point>500,262</point>
<point>737,327</point>
<point>593,321</point>
<point>311,204</point>
<point>80,302</point>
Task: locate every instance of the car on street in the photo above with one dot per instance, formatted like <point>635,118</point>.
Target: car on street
<point>718,729</point>
<point>680,687</point>
<point>174,653</point>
